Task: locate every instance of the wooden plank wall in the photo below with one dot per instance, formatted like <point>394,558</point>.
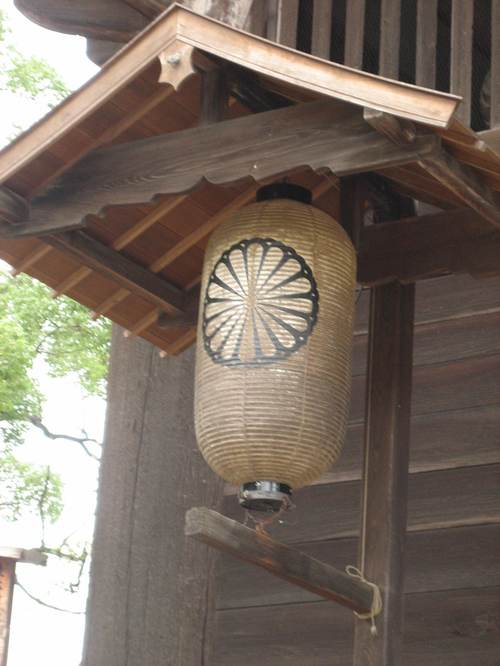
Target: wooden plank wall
<point>462,25</point>
<point>453,570</point>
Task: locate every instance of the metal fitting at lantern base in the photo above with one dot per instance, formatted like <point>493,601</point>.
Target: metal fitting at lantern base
<point>267,496</point>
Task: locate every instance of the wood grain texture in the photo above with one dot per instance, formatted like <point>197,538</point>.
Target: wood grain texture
<point>390,32</point>
<point>122,270</point>
<point>354,33</point>
<point>13,208</point>
<point>457,628</point>
<point>440,499</point>
<point>293,566</point>
<point>466,184</point>
<point>450,559</point>
<point>321,28</point>
<point>322,135</point>
<point>288,17</point>
<point>385,468</point>
<point>421,247</point>
<point>425,59</point>
<point>495,64</point>
<point>151,599</point>
<point>462,17</point>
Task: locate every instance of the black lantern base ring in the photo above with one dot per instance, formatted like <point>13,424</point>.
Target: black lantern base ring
<point>266,496</point>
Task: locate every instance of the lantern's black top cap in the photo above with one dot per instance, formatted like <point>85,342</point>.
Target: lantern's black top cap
<point>284,191</point>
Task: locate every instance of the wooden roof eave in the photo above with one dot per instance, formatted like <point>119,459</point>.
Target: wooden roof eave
<point>178,32</point>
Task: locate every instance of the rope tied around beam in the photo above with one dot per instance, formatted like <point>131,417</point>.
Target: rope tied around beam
<point>376,608</point>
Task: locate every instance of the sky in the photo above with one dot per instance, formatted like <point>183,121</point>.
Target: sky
<point>39,635</point>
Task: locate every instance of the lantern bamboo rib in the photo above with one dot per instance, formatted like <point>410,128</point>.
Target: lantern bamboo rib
<point>283,419</point>
<point>197,235</point>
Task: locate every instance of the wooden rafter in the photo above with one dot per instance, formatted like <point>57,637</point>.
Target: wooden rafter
<point>13,208</point>
<point>119,268</point>
<point>323,135</point>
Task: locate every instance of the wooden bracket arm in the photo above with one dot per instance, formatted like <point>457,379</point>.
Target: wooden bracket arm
<point>13,208</point>
<point>291,565</point>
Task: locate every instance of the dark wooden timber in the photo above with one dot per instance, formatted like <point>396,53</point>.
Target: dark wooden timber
<point>398,130</point>
<point>13,208</point>
<point>450,628</point>
<point>464,182</point>
<point>390,20</point>
<point>321,28</point>
<point>214,96</point>
<point>385,471</point>
<point>291,565</point>
<point>495,64</point>
<point>7,579</point>
<point>353,195</point>
<point>119,268</point>
<point>288,18</point>
<point>462,17</point>
<point>436,560</point>
<point>425,61</point>
<point>431,245</point>
<point>354,33</point>
<point>186,318</point>
<point>321,135</point>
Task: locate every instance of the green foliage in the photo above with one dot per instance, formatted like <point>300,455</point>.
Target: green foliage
<point>60,332</point>
<point>27,76</point>
<point>28,489</point>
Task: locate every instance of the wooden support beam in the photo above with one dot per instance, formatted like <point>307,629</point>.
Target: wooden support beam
<point>428,246</point>
<point>214,96</point>
<point>321,28</point>
<point>465,183</point>
<point>13,208</point>
<point>354,33</point>
<point>390,36</point>
<point>495,65</point>
<point>425,59</point>
<point>323,135</point>
<point>385,473</point>
<point>291,565</point>
<point>7,579</point>
<point>119,268</point>
<point>186,318</point>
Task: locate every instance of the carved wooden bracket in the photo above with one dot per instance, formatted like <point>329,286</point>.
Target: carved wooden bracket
<point>176,63</point>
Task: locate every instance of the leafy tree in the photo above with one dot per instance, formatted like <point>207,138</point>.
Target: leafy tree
<point>37,329</point>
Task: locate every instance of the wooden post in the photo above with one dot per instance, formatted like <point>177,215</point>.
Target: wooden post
<point>7,577</point>
<point>385,474</point>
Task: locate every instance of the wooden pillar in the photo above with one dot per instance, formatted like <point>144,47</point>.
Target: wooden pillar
<point>7,578</point>
<point>385,474</point>
<point>151,600</point>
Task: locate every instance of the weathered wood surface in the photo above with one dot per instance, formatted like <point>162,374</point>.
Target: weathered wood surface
<point>462,18</point>
<point>457,628</point>
<point>354,33</point>
<point>321,28</point>
<point>13,208</point>
<point>7,578</point>
<point>495,64</point>
<point>426,246</point>
<point>118,267</point>
<point>151,598</point>
<point>321,135</point>
<point>440,499</point>
<point>385,468</point>
<point>425,59</point>
<point>288,16</point>
<point>101,19</point>
<point>390,20</point>
<point>436,560</point>
<point>293,566</point>
<point>466,184</point>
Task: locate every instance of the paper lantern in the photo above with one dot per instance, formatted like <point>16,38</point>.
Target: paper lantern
<point>273,367</point>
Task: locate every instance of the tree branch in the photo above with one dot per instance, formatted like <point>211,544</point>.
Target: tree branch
<point>44,603</point>
<point>82,441</point>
